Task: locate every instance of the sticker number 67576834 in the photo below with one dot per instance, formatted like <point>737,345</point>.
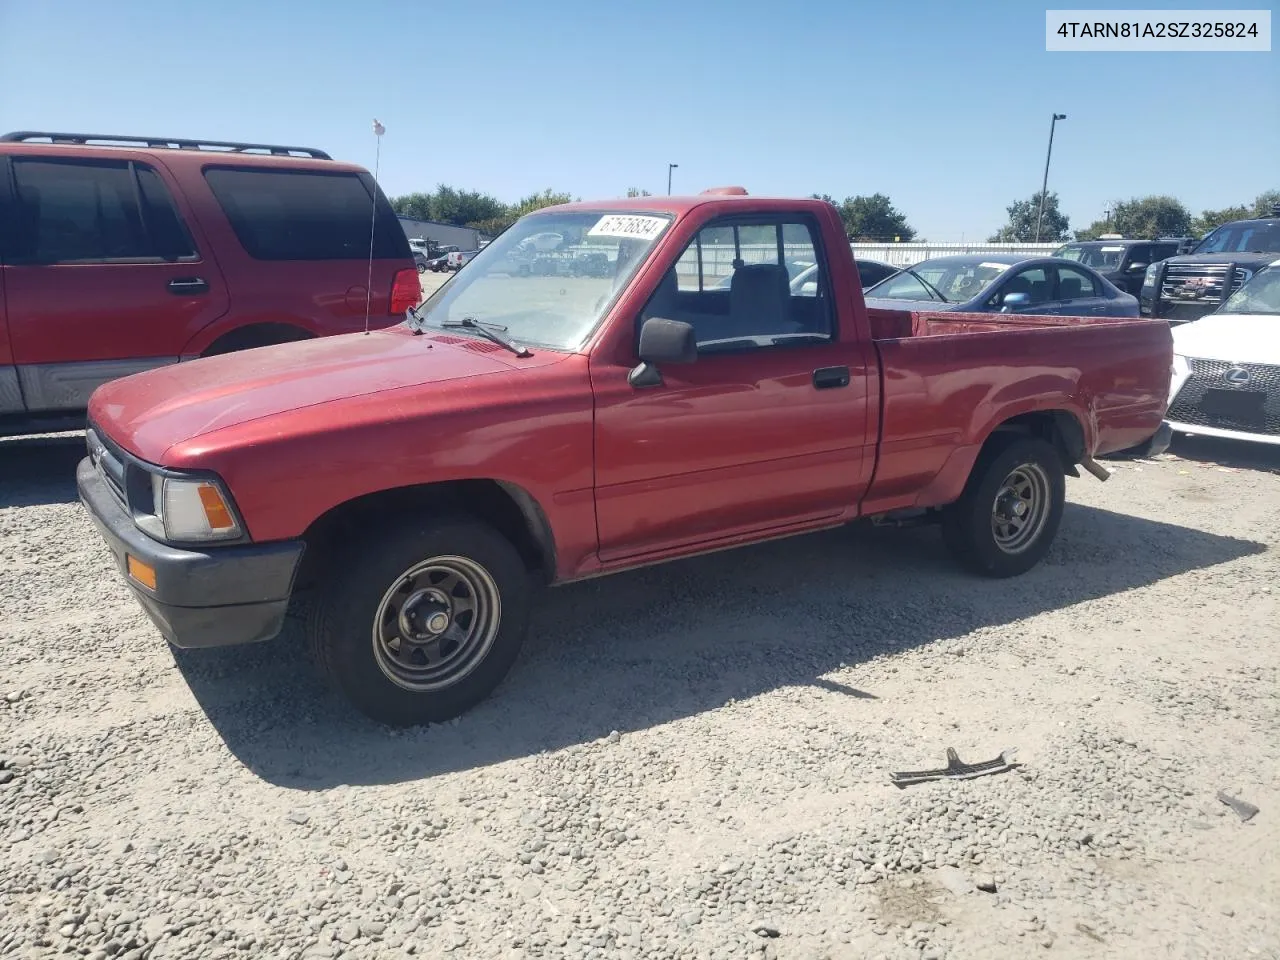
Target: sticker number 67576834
<point>628,226</point>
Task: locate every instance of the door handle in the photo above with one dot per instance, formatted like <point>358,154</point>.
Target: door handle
<point>825,378</point>
<point>186,286</point>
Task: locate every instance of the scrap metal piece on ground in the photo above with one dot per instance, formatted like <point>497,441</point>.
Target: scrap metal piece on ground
<point>956,769</point>
<point>1243,809</point>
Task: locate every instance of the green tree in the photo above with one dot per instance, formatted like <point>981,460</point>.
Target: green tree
<point>494,225</point>
<point>871,217</point>
<point>1265,201</point>
<point>1210,219</point>
<point>1023,215</point>
<point>536,201</point>
<point>637,192</point>
<point>416,205</point>
<point>1153,216</point>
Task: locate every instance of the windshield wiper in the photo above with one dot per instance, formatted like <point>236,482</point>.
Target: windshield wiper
<point>934,289</point>
<point>485,330</point>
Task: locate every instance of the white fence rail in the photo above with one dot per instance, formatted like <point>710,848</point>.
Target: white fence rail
<point>905,254</point>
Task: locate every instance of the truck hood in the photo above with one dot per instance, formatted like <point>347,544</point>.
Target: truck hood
<point>148,413</point>
<point>1231,338</point>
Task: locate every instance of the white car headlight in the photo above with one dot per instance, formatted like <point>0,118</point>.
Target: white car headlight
<point>190,510</point>
<point>1149,278</point>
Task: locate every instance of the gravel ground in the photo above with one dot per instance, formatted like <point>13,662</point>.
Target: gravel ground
<point>688,761</point>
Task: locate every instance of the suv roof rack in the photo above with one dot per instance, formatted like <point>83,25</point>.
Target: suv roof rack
<point>178,143</point>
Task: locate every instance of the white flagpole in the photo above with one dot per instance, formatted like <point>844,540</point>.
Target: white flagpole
<point>378,131</point>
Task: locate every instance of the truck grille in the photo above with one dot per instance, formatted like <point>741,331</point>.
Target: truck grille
<point>108,464</point>
<point>1200,282</point>
<point>1229,396</point>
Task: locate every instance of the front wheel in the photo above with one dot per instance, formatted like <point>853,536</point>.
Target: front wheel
<point>419,622</point>
<point>1006,519</point>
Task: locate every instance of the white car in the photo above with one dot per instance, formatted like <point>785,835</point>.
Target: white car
<point>1226,366</point>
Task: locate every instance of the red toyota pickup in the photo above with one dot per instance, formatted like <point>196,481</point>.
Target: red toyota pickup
<point>526,427</point>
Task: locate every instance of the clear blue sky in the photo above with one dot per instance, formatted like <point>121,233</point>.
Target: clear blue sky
<point>944,106</point>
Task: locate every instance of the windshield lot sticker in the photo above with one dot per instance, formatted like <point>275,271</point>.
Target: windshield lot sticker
<point>628,227</point>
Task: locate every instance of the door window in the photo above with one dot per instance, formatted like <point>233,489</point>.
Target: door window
<point>296,215</point>
<point>744,285</point>
<point>95,211</point>
<point>1034,282</point>
<point>1074,284</point>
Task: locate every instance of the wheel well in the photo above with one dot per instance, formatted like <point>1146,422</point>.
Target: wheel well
<point>256,335</point>
<point>507,508</point>
<point>1058,427</point>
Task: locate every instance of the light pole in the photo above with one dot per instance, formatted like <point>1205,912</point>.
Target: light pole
<point>670,167</point>
<point>1045,186</point>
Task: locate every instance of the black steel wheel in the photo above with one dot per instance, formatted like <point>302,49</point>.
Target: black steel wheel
<point>419,621</point>
<point>1006,518</point>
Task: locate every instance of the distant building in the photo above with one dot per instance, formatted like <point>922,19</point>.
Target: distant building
<point>445,234</point>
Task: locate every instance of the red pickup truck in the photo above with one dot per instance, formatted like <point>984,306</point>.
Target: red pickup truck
<point>419,482</point>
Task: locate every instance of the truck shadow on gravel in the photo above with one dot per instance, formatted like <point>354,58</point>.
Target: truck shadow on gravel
<point>39,470</point>
<point>640,649</point>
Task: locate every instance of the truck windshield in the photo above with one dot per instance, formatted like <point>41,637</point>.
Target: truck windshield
<point>1259,295</point>
<point>1100,258</point>
<point>549,279</point>
<point>1261,236</point>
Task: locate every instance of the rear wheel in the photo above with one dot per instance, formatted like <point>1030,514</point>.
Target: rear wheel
<point>1006,519</point>
<point>421,621</point>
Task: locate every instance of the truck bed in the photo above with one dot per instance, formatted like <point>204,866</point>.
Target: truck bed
<point>946,379</point>
<point>900,324</point>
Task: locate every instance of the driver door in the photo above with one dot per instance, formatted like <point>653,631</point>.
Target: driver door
<point>765,431</point>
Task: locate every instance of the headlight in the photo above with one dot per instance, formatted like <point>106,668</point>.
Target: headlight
<point>1149,278</point>
<point>190,510</point>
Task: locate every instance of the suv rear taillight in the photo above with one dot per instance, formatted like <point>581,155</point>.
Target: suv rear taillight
<point>406,291</point>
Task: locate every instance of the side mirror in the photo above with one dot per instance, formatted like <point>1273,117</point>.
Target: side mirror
<point>1012,301</point>
<point>667,341</point>
<point>1137,267</point>
<point>662,341</point>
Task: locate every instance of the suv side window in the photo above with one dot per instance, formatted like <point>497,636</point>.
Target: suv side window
<point>305,215</point>
<point>95,211</point>
<point>747,284</point>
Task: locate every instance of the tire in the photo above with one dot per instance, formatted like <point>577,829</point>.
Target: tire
<point>1008,466</point>
<point>422,268</point>
<point>403,575</point>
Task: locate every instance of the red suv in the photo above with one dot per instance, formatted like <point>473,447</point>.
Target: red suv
<point>119,254</point>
